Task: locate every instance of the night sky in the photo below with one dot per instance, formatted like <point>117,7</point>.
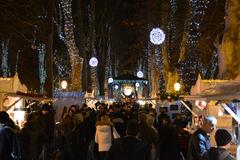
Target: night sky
<point>122,24</point>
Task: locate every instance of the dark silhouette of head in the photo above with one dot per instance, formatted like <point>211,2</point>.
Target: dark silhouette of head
<point>4,117</point>
<point>132,128</point>
<point>222,137</point>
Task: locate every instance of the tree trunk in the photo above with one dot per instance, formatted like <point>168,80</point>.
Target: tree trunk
<point>154,76</point>
<point>48,87</point>
<point>229,62</point>
<point>82,45</point>
<point>94,77</point>
<point>75,60</point>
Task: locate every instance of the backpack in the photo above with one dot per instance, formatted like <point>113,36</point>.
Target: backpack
<point>16,150</point>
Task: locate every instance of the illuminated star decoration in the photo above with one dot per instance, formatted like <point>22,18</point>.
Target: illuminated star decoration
<point>93,62</point>
<point>157,36</point>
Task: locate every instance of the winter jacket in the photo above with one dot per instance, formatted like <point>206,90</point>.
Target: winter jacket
<point>103,136</point>
<point>6,136</point>
<point>32,137</point>
<point>198,146</point>
<point>168,143</point>
<point>128,148</point>
<point>219,154</point>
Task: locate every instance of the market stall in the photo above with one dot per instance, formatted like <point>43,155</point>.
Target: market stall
<point>220,98</point>
<point>15,99</point>
<point>11,85</point>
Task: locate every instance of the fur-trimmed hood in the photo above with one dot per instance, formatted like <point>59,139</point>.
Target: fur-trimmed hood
<point>105,120</point>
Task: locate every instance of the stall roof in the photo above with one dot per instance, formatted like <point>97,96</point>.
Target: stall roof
<point>227,97</point>
<point>30,96</point>
<point>215,89</point>
<point>12,84</point>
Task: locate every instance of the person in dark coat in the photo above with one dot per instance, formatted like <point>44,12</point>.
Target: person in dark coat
<point>168,140</point>
<point>147,133</point>
<point>199,143</point>
<point>32,137</point>
<point>119,123</point>
<point>79,146</point>
<point>223,139</point>
<point>129,147</point>
<point>48,122</point>
<point>6,135</point>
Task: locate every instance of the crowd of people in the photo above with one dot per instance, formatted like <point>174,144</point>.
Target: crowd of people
<point>35,139</point>
<point>116,132</point>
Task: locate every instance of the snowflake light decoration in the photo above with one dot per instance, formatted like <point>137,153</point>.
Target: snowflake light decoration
<point>140,74</point>
<point>157,36</point>
<point>93,62</point>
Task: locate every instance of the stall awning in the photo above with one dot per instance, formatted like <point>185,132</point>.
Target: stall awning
<point>225,97</point>
<point>30,96</point>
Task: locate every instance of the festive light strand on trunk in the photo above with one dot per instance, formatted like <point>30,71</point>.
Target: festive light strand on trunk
<point>75,60</point>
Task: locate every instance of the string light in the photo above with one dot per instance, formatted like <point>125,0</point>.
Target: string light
<point>75,59</point>
<point>63,69</point>
<point>189,66</point>
<point>42,69</point>
<point>5,68</point>
<point>59,94</point>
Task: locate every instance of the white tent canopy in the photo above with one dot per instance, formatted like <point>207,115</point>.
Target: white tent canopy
<point>216,89</point>
<point>10,85</point>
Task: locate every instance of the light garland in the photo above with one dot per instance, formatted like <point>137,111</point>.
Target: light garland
<point>59,22</point>
<point>188,67</point>
<point>59,94</point>
<point>63,69</point>
<point>75,60</point>
<point>5,68</point>
<point>149,58</point>
<point>42,70</point>
<point>171,28</point>
<point>108,70</point>
<point>198,11</point>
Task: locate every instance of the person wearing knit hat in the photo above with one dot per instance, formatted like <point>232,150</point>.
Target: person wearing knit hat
<point>223,139</point>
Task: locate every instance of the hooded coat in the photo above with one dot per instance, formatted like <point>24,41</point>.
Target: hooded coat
<point>105,133</point>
